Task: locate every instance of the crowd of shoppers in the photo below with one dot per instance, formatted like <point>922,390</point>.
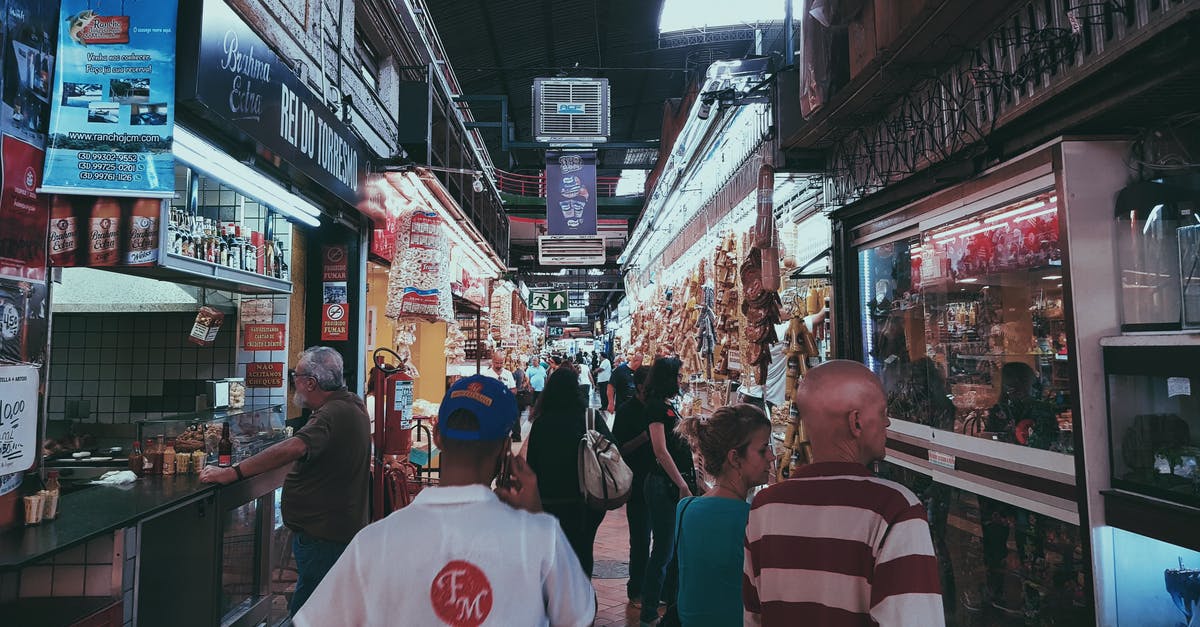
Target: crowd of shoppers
<point>508,539</point>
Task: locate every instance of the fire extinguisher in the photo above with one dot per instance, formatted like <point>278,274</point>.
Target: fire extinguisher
<point>393,389</point>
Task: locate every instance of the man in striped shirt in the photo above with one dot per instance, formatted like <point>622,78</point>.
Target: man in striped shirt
<point>833,545</point>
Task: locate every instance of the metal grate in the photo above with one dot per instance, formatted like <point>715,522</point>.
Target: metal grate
<point>1044,46</point>
<point>571,250</point>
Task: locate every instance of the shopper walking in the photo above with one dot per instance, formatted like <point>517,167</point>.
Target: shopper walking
<point>671,479</point>
<point>603,375</point>
<point>629,429</point>
<point>325,496</point>
<point>500,373</point>
<point>460,554</point>
<point>537,376</point>
<point>559,420</point>
<point>621,386</point>
<point>834,545</point>
<point>734,445</point>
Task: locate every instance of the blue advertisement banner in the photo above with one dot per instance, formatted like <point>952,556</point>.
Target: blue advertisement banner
<point>112,113</point>
<point>570,193</point>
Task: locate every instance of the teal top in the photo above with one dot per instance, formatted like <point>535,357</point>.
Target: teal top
<point>711,535</point>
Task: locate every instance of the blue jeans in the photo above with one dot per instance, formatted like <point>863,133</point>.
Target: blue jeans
<point>314,558</point>
<point>661,497</point>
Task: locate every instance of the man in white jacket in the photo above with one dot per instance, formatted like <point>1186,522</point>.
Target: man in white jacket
<point>460,554</point>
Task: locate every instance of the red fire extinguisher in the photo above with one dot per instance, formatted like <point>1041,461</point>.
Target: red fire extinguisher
<point>391,468</point>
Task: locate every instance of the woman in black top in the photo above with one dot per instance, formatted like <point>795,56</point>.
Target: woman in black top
<point>559,419</point>
<point>670,479</point>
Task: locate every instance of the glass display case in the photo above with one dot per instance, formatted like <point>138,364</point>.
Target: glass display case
<point>1156,583</point>
<point>964,324</point>
<point>1154,415</point>
<point>252,429</point>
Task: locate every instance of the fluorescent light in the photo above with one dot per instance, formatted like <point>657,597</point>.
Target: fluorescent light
<point>1020,210</point>
<point>1052,277</point>
<point>1036,215</point>
<point>955,231</point>
<point>200,155</point>
<point>968,280</point>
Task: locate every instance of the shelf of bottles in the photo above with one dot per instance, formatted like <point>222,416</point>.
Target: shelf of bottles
<point>228,239</point>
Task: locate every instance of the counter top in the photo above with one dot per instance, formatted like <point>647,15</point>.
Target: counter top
<point>90,512</point>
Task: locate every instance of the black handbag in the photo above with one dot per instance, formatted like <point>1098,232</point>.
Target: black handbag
<point>671,616</point>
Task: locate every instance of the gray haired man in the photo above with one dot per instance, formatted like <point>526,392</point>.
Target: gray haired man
<point>325,496</point>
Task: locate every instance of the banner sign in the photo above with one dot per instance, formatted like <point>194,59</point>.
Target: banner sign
<point>335,319</point>
<point>23,212</point>
<point>549,301</point>
<point>226,67</point>
<point>113,111</point>
<point>23,323</point>
<point>18,417</point>
<point>267,374</point>
<point>101,231</point>
<point>264,337</point>
<point>570,193</point>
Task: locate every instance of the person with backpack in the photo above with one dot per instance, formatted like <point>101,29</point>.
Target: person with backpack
<point>734,446</point>
<point>559,422</point>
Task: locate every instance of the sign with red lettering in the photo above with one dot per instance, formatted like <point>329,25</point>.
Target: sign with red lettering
<point>264,337</point>
<point>24,214</point>
<point>264,374</point>
<point>335,263</point>
<point>335,322</point>
<point>103,29</point>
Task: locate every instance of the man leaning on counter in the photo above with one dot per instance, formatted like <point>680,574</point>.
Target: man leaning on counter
<point>325,496</point>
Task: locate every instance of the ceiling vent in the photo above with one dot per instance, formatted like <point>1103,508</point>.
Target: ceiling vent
<point>571,110</point>
<point>571,250</point>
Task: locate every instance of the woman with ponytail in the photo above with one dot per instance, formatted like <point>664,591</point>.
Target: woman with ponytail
<point>734,447</point>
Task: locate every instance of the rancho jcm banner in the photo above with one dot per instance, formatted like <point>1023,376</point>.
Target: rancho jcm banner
<point>113,107</point>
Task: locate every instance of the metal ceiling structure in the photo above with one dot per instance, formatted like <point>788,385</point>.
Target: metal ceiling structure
<point>497,48</point>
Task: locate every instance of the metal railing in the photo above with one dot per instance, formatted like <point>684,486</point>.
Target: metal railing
<point>534,185</point>
<point>1041,48</point>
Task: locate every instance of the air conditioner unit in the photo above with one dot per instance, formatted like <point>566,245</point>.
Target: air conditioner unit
<point>571,110</point>
<point>571,250</point>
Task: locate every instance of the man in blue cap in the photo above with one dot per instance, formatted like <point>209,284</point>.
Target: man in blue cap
<point>461,554</point>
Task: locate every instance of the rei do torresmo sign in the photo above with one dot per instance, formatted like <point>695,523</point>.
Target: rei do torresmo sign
<point>113,109</point>
<point>229,73</point>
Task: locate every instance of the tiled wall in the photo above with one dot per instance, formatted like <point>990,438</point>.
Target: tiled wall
<point>134,366</point>
<point>103,567</point>
<point>264,396</point>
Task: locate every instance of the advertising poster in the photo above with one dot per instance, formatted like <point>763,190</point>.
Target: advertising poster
<point>112,112</point>
<point>23,322</point>
<point>18,418</point>
<point>264,337</point>
<point>571,193</point>
<point>335,322</point>
<point>23,212</point>
<point>103,231</point>
<point>268,374</point>
<point>30,28</point>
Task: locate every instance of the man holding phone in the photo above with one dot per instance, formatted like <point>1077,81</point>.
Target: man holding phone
<point>460,565</point>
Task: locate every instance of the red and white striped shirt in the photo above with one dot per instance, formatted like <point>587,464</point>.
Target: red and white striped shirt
<point>835,546</point>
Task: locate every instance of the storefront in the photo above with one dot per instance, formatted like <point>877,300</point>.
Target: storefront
<point>180,317</point>
<point>981,309</point>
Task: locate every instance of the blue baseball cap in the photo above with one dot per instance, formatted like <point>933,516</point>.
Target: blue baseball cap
<point>492,404</point>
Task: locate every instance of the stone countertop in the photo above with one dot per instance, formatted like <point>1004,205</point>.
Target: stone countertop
<point>90,512</point>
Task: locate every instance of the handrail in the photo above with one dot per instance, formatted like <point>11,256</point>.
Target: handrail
<point>534,185</point>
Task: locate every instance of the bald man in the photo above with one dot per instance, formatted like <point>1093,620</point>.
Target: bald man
<point>834,545</point>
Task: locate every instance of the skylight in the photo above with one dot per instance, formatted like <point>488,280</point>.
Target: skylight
<point>687,14</point>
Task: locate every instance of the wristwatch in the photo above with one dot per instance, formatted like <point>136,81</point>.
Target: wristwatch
<point>238,470</point>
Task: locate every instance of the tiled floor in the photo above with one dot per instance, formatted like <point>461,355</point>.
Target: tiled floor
<point>612,543</point>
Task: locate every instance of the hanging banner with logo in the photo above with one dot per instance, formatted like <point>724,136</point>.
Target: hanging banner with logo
<point>571,193</point>
<point>18,417</point>
<point>113,109</point>
<point>23,212</point>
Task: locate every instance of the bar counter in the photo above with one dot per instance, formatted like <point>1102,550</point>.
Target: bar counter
<point>95,510</point>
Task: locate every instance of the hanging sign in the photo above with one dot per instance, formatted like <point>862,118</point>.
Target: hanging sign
<point>23,323</point>
<point>335,264</point>
<point>232,73</point>
<point>18,417</point>
<point>335,318</point>
<point>264,337</point>
<point>112,115</point>
<point>264,374</point>
<point>549,301</point>
<point>570,193</point>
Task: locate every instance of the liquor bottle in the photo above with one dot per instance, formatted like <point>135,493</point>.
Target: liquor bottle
<point>168,456</point>
<point>64,238</point>
<point>136,460</point>
<point>225,448</point>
